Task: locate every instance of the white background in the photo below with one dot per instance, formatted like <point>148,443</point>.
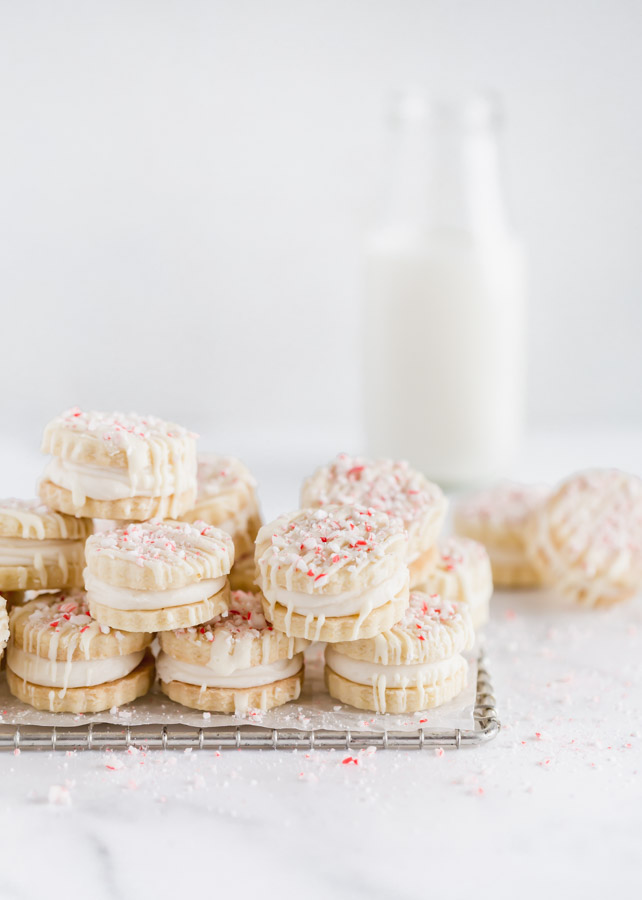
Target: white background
<point>185,187</point>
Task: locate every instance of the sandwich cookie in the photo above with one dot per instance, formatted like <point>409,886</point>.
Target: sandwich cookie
<point>333,574</point>
<point>226,498</point>
<point>389,486</point>
<point>4,625</point>
<point>156,576</point>
<point>115,466</point>
<point>586,540</point>
<point>60,659</point>
<point>40,549</point>
<point>498,518</point>
<point>417,664</point>
<point>462,573</point>
<point>235,662</point>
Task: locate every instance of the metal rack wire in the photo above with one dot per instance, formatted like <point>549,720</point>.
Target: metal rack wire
<point>255,737</point>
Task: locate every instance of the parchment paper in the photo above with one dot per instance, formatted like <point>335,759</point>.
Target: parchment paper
<point>314,709</point>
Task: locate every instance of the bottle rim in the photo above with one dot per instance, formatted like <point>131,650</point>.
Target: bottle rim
<point>479,109</point>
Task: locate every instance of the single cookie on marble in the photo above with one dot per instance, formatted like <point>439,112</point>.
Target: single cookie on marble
<point>60,659</point>
<point>333,574</point>
<point>40,549</point>
<point>157,576</point>
<point>462,573</point>
<point>416,665</point>
<point>232,663</point>
<point>586,539</point>
<point>499,518</point>
<point>227,499</point>
<point>117,466</point>
<point>389,486</point>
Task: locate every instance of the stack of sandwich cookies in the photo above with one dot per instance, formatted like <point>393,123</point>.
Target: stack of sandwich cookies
<point>462,573</point>
<point>157,576</point>
<point>586,540</point>
<point>391,487</point>
<point>227,498</point>
<point>416,665</point>
<point>60,659</point>
<point>235,662</point>
<point>115,466</point>
<point>333,574</point>
<point>40,549</point>
<point>499,518</point>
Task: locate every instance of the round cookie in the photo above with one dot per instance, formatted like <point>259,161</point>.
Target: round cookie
<point>226,497</point>
<point>4,625</point>
<point>243,574</point>
<point>60,659</point>
<point>586,540</point>
<point>116,466</point>
<point>416,665</point>
<point>461,572</point>
<point>389,486</point>
<point>157,576</point>
<point>232,663</point>
<point>333,574</point>
<point>40,549</point>
<point>498,518</point>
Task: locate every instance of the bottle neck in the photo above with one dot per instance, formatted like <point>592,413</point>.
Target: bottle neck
<point>446,172</point>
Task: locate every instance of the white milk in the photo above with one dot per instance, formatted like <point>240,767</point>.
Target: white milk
<point>444,316</point>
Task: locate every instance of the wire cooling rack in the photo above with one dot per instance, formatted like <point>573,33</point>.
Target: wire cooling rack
<point>254,737</point>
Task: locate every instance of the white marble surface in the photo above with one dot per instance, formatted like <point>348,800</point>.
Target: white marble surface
<point>552,807</point>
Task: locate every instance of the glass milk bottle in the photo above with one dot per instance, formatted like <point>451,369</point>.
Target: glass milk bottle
<point>445,299</point>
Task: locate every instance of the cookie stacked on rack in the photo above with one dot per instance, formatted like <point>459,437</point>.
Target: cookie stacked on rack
<point>143,572</point>
<point>341,570</point>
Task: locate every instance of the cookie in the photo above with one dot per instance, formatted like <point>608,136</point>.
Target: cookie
<point>333,574</point>
<point>234,662</point>
<point>389,486</point>
<point>4,625</point>
<point>226,497</point>
<point>116,466</point>
<point>498,518</point>
<point>461,572</point>
<point>60,659</point>
<point>157,576</point>
<point>40,549</point>
<point>586,539</point>
<point>416,665</point>
<point>243,574</point>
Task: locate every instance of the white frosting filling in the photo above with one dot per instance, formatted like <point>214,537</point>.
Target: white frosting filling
<point>70,673</point>
<point>363,671</point>
<point>26,552</point>
<point>38,555</point>
<point>129,599</point>
<point>107,482</point>
<point>170,669</point>
<point>346,603</point>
